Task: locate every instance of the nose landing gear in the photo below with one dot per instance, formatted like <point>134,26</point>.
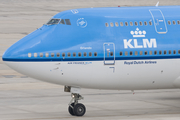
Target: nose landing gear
<point>75,108</point>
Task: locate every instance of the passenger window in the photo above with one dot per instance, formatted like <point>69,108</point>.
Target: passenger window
<point>126,23</point>
<point>68,22</point>
<point>178,22</point>
<point>79,54</point>
<point>111,53</point>
<point>62,21</point>
<point>58,54</point>
<point>131,23</point>
<point>145,53</point>
<point>155,52</point>
<point>169,22</point>
<point>131,52</point>
<point>121,53</point>
<point>111,24</point>
<point>136,53</point>
<point>63,54</point>
<point>145,23</point>
<point>121,23</point>
<point>85,54</point>
<point>41,54</point>
<point>141,52</point>
<point>174,22</point>
<point>160,52</point>
<point>74,54</point>
<point>165,52</point>
<point>95,53</point>
<point>52,54</point>
<point>126,53</point>
<point>150,52</point>
<point>35,54</point>
<point>69,54</point>
<point>150,23</point>
<point>140,23</point>
<point>169,51</point>
<point>29,54</point>
<point>47,54</point>
<point>178,51</point>
<point>106,24</point>
<point>116,23</point>
<point>174,52</point>
<point>90,54</point>
<point>136,24</point>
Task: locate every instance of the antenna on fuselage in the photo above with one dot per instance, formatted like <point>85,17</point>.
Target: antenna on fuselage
<point>157,4</point>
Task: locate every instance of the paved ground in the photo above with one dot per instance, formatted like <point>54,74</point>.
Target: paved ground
<point>23,98</point>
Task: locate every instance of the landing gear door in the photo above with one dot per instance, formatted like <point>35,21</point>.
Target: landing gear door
<point>159,21</point>
<point>109,53</point>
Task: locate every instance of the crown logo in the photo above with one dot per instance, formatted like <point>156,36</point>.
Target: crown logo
<point>138,33</point>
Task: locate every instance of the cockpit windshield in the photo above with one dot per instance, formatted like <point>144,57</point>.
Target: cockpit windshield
<point>53,21</point>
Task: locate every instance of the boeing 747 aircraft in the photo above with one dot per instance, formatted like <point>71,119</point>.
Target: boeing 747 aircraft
<point>119,48</point>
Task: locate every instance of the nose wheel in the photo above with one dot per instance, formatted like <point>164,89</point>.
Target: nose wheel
<point>75,108</point>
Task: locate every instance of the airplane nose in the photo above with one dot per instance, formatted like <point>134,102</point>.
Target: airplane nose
<point>20,49</point>
<point>10,54</point>
<point>29,44</point>
<point>16,51</point>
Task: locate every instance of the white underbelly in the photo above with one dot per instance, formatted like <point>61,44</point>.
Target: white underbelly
<point>96,75</point>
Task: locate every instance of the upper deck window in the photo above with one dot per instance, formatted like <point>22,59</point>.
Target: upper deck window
<point>131,23</point>
<point>126,23</point>
<point>150,23</point>
<point>121,23</point>
<point>140,23</point>
<point>68,22</point>
<point>53,21</point>
<point>116,23</point>
<point>106,24</point>
<point>174,22</point>
<point>178,22</point>
<point>111,24</point>
<point>136,24</point>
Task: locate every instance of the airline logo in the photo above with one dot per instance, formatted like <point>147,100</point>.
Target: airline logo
<point>138,33</point>
<point>81,22</point>
<point>139,43</point>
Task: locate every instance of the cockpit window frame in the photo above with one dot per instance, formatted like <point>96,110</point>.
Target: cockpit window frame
<point>54,19</point>
<point>62,21</point>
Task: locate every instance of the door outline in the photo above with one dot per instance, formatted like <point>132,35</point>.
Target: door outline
<point>158,21</point>
<point>112,62</point>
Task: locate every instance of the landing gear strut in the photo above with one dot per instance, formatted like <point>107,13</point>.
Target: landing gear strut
<point>75,108</point>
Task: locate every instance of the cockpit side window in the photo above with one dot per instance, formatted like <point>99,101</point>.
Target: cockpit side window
<point>53,21</point>
<point>62,21</point>
<point>68,22</point>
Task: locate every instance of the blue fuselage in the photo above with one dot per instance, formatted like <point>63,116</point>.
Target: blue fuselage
<point>106,33</point>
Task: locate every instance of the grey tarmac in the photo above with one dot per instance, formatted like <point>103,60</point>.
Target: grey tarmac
<point>24,98</point>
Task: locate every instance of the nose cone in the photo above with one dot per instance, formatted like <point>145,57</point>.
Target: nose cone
<point>36,42</point>
<point>12,53</point>
<point>20,49</point>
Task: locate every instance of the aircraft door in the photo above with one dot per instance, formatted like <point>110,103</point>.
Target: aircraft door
<point>109,53</point>
<point>159,21</point>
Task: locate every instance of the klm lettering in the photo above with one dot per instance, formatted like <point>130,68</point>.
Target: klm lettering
<point>133,43</point>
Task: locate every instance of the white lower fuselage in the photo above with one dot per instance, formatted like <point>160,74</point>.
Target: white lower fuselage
<point>123,75</point>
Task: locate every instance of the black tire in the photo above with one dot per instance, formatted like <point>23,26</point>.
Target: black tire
<point>79,109</point>
<point>71,110</point>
